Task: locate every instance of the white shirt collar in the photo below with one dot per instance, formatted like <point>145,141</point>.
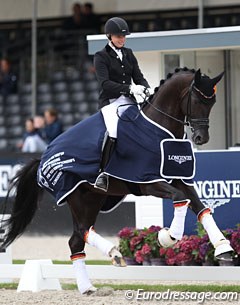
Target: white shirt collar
<point>117,51</point>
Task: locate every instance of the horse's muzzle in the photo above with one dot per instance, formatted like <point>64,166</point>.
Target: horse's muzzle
<point>200,136</point>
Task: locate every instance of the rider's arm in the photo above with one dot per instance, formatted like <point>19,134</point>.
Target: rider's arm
<point>102,66</point>
<point>137,75</point>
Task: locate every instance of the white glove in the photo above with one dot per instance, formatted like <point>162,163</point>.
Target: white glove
<point>137,89</point>
<point>150,90</point>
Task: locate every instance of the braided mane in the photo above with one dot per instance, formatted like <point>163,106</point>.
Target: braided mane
<point>177,70</point>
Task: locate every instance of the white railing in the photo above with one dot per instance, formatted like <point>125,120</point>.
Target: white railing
<point>37,275</point>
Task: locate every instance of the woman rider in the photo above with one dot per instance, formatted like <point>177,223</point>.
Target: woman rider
<point>120,78</point>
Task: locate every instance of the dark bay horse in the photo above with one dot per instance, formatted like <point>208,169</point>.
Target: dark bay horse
<point>185,98</point>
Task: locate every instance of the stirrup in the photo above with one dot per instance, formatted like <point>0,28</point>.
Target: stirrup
<point>102,182</point>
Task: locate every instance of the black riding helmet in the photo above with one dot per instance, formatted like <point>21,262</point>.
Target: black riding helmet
<point>116,26</point>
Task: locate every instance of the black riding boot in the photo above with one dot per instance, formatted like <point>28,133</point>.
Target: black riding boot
<point>102,180</point>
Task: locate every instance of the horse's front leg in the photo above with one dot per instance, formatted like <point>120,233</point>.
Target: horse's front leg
<point>169,236</point>
<point>222,246</point>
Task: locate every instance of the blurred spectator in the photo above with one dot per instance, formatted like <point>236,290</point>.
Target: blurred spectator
<point>91,21</point>
<point>53,126</point>
<point>32,142</point>
<point>39,124</point>
<point>76,20</point>
<point>8,80</point>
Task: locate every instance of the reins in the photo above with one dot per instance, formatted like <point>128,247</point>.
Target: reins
<point>198,123</point>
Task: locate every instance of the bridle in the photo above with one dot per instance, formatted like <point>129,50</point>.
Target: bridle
<point>192,123</point>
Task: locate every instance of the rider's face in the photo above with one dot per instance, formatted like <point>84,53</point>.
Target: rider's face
<point>118,40</point>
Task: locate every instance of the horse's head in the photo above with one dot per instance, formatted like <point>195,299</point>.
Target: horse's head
<point>198,104</point>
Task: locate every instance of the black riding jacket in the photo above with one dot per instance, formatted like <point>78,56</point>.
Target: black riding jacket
<point>115,75</point>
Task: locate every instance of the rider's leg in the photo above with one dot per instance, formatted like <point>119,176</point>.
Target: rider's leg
<point>110,115</point>
<point>102,179</point>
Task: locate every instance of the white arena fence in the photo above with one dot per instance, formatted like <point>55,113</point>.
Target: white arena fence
<point>37,275</point>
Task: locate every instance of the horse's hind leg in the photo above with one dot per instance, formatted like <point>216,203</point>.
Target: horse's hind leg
<point>85,207</point>
<point>78,255</point>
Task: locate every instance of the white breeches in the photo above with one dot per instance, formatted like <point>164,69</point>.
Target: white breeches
<point>112,112</point>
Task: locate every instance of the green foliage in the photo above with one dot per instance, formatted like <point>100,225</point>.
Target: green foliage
<point>200,229</point>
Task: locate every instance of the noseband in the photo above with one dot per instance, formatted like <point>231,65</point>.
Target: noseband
<point>196,123</point>
<point>193,123</point>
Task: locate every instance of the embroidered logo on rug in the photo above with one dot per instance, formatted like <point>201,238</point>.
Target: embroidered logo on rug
<point>179,159</point>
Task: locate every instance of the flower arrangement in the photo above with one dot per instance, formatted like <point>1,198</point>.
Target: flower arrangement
<point>206,251</point>
<point>234,236</point>
<point>184,251</point>
<point>125,235</point>
<point>142,245</point>
<point>148,247</point>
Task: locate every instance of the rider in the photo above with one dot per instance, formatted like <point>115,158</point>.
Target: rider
<point>116,68</point>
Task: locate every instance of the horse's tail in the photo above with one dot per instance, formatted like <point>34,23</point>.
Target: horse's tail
<point>25,203</point>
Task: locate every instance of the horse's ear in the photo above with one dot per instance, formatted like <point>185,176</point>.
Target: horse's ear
<point>197,78</point>
<point>216,79</point>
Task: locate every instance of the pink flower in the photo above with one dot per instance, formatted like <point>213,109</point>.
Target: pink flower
<point>126,232</point>
<point>138,256</point>
<point>153,229</point>
<point>170,253</point>
<point>162,252</point>
<point>134,242</point>
<point>182,257</point>
<point>146,250</point>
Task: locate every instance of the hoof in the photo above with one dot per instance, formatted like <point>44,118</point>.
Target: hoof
<point>165,239</point>
<point>223,250</point>
<point>225,257</point>
<point>90,291</point>
<point>118,261</point>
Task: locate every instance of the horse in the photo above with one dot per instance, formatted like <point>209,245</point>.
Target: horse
<point>184,98</point>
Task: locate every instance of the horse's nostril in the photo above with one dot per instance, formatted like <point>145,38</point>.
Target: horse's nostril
<point>198,140</point>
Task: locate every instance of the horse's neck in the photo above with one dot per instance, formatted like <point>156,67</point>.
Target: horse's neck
<point>168,104</point>
<point>168,101</point>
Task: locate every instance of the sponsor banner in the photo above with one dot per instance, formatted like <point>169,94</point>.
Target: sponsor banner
<point>10,163</point>
<point>217,182</point>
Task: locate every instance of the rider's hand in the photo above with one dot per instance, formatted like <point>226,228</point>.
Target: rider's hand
<point>151,91</point>
<point>137,89</point>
